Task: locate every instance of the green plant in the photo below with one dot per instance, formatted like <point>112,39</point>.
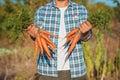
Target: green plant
<point>16,24</point>
<point>88,54</point>
<point>97,63</point>
<point>100,20</point>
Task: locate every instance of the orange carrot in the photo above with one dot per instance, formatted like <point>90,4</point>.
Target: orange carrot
<point>40,44</point>
<point>72,32</point>
<point>43,41</point>
<point>45,37</point>
<point>45,47</point>
<point>47,33</point>
<point>52,46</point>
<point>70,37</point>
<point>74,42</point>
<point>70,42</point>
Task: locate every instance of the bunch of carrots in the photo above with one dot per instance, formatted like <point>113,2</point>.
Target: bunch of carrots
<point>72,38</point>
<point>43,43</point>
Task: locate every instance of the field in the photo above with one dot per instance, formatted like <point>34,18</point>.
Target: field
<point>101,52</point>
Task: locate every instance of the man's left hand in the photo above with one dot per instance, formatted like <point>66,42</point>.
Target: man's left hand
<point>85,27</point>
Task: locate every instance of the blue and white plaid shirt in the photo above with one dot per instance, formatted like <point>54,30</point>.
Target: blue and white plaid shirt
<point>47,17</point>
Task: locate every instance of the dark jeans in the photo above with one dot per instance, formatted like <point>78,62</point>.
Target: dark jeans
<point>62,75</point>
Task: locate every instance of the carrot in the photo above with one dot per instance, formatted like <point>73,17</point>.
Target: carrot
<point>45,37</point>
<point>52,46</point>
<point>67,43</point>
<point>45,47</point>
<point>75,40</point>
<point>72,32</point>
<point>70,42</point>
<point>39,44</point>
<point>36,49</point>
<point>47,33</point>
<point>70,37</point>
<point>43,41</point>
<point>48,40</point>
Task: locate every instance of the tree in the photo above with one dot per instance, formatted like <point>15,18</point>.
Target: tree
<point>117,9</point>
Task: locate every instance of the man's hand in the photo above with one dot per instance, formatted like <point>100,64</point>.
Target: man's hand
<point>32,30</point>
<point>84,29</point>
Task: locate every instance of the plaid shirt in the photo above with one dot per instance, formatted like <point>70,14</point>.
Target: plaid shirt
<point>47,17</point>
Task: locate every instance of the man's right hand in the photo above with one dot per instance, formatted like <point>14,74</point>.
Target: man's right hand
<point>32,30</point>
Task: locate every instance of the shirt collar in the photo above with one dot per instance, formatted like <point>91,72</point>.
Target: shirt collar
<point>69,5</point>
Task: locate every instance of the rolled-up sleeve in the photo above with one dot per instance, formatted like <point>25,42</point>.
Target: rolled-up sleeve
<point>90,35</point>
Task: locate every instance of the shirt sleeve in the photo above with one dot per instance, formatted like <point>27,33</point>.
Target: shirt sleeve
<point>38,18</point>
<point>90,35</point>
<point>84,15</point>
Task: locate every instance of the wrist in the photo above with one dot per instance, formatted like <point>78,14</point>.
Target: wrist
<point>84,35</point>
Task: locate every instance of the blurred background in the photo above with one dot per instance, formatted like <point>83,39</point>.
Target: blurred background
<point>102,52</point>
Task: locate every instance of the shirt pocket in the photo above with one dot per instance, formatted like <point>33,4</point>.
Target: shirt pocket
<point>76,20</point>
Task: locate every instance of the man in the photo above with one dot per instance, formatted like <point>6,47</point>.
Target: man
<point>59,17</point>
